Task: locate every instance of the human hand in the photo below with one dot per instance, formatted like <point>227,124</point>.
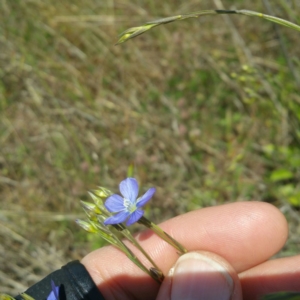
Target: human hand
<point>235,240</point>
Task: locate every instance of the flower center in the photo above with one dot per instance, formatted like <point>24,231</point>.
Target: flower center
<point>129,206</point>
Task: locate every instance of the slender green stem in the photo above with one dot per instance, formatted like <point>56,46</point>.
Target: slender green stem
<point>7,297</point>
<point>126,233</point>
<point>135,260</point>
<point>26,297</point>
<point>269,18</point>
<point>114,240</point>
<point>166,237</point>
<point>135,31</point>
<point>130,237</point>
<point>97,214</point>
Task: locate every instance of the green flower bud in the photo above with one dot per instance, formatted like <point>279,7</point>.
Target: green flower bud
<point>87,226</point>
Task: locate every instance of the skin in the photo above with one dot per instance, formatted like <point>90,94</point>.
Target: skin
<point>241,236</point>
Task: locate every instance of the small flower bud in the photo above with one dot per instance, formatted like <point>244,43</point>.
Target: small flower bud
<point>102,192</point>
<point>87,226</point>
<point>98,202</point>
<point>91,207</point>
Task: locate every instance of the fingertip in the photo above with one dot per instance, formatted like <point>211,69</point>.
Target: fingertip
<point>201,273</point>
<point>273,222</point>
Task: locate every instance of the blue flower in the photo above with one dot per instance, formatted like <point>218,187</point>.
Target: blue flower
<point>129,206</point>
<point>54,295</point>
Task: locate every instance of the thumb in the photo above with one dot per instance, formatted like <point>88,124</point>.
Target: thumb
<point>201,275</point>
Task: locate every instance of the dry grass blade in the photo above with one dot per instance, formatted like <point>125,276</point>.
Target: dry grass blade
<point>135,31</point>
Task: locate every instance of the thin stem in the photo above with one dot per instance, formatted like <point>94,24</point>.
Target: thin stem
<point>97,213</point>
<point>121,228</point>
<point>135,31</point>
<point>113,239</point>
<point>166,237</point>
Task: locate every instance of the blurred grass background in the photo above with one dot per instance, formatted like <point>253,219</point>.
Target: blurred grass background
<point>208,110</point>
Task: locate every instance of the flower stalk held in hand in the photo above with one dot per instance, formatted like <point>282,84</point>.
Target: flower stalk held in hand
<point>109,212</point>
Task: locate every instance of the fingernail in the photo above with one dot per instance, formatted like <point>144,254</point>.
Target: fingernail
<point>196,276</point>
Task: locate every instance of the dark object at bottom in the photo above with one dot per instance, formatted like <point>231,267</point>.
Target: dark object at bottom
<point>74,281</point>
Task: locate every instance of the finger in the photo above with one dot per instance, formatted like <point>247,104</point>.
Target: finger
<point>244,233</point>
<point>272,276</point>
<point>202,275</point>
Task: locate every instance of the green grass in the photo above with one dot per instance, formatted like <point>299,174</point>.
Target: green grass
<point>208,110</point>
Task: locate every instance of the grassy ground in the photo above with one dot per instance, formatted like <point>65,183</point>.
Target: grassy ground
<point>208,110</point>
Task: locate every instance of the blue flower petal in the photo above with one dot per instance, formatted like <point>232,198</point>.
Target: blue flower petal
<point>118,218</point>
<point>54,295</point>
<point>114,203</point>
<point>135,216</point>
<point>146,197</point>
<point>129,188</point>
